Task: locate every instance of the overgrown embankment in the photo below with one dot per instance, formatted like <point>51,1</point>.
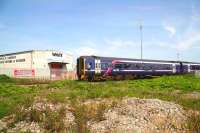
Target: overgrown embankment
<point>19,96</point>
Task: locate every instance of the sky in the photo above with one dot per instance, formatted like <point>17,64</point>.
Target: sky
<point>171,28</point>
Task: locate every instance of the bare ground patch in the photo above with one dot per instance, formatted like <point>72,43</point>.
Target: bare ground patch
<point>142,115</point>
<point>192,95</point>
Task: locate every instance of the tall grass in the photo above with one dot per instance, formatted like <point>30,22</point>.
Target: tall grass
<point>170,88</point>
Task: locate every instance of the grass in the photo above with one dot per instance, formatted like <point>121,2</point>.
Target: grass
<point>20,92</point>
<point>170,88</point>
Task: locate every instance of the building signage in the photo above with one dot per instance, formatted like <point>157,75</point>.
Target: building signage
<point>24,72</point>
<point>57,54</point>
<point>10,59</point>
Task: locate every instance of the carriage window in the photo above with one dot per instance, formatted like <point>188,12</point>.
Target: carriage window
<point>137,66</point>
<point>110,65</point>
<point>147,67</point>
<point>168,67</point>
<point>89,65</point>
<point>195,67</point>
<point>126,66</point>
<point>104,65</point>
<point>118,66</point>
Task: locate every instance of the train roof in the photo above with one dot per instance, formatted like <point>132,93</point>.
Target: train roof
<point>167,61</point>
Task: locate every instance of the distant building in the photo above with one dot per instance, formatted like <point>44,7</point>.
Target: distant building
<point>39,64</point>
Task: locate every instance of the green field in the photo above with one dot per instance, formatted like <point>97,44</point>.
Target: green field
<point>179,89</point>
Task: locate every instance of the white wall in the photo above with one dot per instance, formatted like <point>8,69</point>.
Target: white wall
<point>36,61</point>
<point>9,63</point>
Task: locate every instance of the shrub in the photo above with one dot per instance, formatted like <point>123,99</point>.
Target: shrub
<point>5,79</point>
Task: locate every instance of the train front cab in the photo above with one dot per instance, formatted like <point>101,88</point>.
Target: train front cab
<point>88,68</point>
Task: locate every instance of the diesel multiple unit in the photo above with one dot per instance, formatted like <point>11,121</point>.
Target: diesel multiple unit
<point>95,68</point>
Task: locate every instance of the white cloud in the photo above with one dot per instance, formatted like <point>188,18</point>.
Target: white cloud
<point>157,42</point>
<point>89,43</point>
<point>170,29</point>
<point>185,42</point>
<point>191,37</point>
<point>108,47</point>
<point>86,51</point>
<point>119,43</point>
<point>189,41</point>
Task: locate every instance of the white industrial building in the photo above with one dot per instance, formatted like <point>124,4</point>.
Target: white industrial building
<point>42,64</point>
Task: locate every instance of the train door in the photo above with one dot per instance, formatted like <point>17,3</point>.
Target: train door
<point>97,66</point>
<point>189,70</point>
<point>174,68</point>
<point>183,68</point>
<point>81,68</point>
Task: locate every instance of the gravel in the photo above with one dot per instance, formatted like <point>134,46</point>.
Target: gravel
<point>24,126</point>
<point>141,116</point>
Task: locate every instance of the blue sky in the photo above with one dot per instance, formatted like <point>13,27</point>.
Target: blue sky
<point>103,27</point>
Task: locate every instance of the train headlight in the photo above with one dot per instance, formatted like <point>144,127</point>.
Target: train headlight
<point>115,70</point>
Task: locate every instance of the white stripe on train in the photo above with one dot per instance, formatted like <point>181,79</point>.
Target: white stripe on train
<point>134,70</point>
<point>148,62</point>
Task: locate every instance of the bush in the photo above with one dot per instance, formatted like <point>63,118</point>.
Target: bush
<point>5,79</point>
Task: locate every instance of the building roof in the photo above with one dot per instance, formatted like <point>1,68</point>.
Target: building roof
<point>21,52</point>
<point>27,51</point>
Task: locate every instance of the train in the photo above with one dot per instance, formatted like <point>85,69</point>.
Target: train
<point>93,68</point>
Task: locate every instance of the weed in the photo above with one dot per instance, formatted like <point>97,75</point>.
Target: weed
<point>194,122</point>
<point>87,112</point>
<point>100,111</point>
<point>53,120</point>
<point>81,117</point>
